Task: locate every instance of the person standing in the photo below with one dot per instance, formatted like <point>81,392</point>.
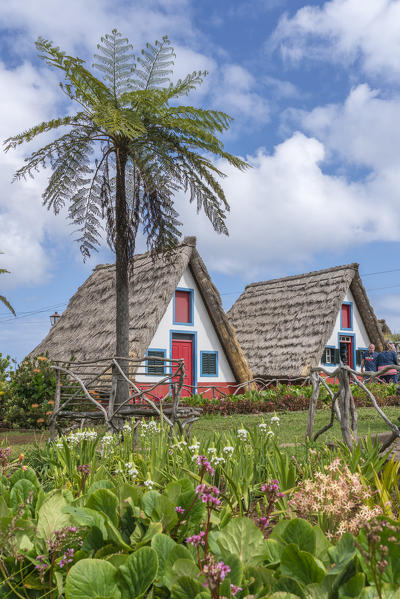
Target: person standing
<point>386,358</point>
<point>368,363</point>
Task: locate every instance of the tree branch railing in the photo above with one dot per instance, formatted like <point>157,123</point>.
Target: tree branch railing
<point>86,391</point>
<point>342,402</point>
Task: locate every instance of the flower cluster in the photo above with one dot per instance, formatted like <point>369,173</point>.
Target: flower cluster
<point>5,456</point>
<point>69,535</point>
<point>149,427</point>
<point>235,589</point>
<point>208,495</point>
<point>228,450</point>
<point>131,470</point>
<point>204,464</point>
<point>179,509</point>
<point>127,428</point>
<point>74,439</point>
<point>194,448</point>
<point>84,469</point>
<point>336,498</point>
<point>179,445</point>
<point>242,434</point>
<point>275,420</point>
<point>67,558</point>
<point>149,484</point>
<point>197,540</point>
<point>216,461</point>
<point>215,572</point>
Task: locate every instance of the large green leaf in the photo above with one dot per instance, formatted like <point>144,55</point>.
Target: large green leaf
<point>138,572</point>
<point>301,533</point>
<point>27,474</point>
<point>301,565</point>
<point>149,501</point>
<point>162,544</point>
<point>290,585</point>
<point>273,551</point>
<point>353,587</point>
<point>185,567</point>
<point>105,501</point>
<point>51,515</point>
<point>100,484</point>
<point>84,516</point>
<point>166,513</point>
<point>92,579</point>
<point>236,567</point>
<point>186,588</point>
<point>242,538</point>
<point>21,492</point>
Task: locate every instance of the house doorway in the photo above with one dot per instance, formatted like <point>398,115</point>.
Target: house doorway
<point>183,349</point>
<point>346,349</point>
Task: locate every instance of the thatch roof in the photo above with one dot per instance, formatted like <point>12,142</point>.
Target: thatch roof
<point>284,324</point>
<point>86,329</point>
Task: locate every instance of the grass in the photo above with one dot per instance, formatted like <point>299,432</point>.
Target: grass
<point>291,431</point>
<point>293,424</point>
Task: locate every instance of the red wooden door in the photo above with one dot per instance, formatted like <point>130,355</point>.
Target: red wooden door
<point>346,350</point>
<point>182,349</point>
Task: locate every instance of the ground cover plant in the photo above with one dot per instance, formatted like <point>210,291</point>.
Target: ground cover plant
<point>91,515</point>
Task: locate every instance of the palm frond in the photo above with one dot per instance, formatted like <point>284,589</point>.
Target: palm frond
<point>29,134</point>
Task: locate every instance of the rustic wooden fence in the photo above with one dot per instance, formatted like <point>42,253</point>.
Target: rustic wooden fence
<point>342,402</point>
<point>86,393</point>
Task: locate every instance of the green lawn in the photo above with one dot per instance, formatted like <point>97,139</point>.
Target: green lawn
<point>292,426</point>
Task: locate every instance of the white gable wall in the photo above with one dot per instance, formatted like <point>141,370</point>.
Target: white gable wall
<point>361,339</point>
<point>207,338</point>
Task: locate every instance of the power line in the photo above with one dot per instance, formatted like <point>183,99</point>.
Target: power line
<point>32,313</point>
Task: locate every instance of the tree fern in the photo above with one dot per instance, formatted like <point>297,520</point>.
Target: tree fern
<point>127,150</point>
<point>3,299</point>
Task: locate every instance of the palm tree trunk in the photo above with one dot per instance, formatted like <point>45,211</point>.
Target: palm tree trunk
<point>121,277</point>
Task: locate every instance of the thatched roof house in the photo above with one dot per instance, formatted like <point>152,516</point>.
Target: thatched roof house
<point>285,326</point>
<point>86,329</point>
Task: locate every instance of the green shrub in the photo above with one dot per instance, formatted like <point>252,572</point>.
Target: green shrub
<point>28,397</point>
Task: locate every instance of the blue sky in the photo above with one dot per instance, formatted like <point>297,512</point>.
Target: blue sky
<point>314,90</point>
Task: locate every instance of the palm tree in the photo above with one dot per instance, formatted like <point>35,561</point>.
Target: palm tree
<point>124,154</point>
<point>4,300</point>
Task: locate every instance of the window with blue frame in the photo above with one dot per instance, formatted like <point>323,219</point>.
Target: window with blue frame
<point>155,366</point>
<point>208,363</point>
<point>360,353</point>
<point>183,306</point>
<point>330,356</point>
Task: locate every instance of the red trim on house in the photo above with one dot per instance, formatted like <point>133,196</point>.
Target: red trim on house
<point>208,390</point>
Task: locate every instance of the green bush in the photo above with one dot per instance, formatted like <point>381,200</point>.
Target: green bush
<point>28,393</point>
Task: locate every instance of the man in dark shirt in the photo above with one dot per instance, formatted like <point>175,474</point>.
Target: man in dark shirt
<point>368,363</point>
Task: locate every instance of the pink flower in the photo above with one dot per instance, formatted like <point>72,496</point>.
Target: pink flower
<point>179,509</point>
<point>196,540</point>
<point>205,464</point>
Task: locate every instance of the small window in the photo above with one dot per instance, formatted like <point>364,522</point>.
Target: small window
<point>183,306</point>
<point>209,363</point>
<point>330,356</point>
<point>155,367</point>
<point>346,316</point>
<point>360,353</point>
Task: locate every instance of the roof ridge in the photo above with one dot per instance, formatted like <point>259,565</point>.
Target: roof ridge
<point>353,266</point>
<point>188,241</point>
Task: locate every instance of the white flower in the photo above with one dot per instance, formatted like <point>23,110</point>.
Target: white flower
<point>270,433</point>
<point>242,434</point>
<point>216,461</point>
<point>275,420</point>
<point>212,450</point>
<point>127,427</point>
<point>180,445</point>
<point>59,444</point>
<point>228,450</point>
<point>195,447</point>
<point>149,484</point>
<point>262,426</point>
<point>131,470</point>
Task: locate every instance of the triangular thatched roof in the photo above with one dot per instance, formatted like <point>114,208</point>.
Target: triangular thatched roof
<point>86,329</point>
<point>284,324</point>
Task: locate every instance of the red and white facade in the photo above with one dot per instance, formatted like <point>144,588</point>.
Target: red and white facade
<point>349,338</point>
<point>186,332</point>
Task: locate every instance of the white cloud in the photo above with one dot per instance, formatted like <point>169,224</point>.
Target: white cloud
<point>344,31</point>
<point>361,130</point>
<point>285,210</point>
<point>388,307</point>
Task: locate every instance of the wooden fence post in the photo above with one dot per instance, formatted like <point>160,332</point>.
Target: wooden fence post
<point>57,401</point>
<point>315,382</point>
<point>345,404</point>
